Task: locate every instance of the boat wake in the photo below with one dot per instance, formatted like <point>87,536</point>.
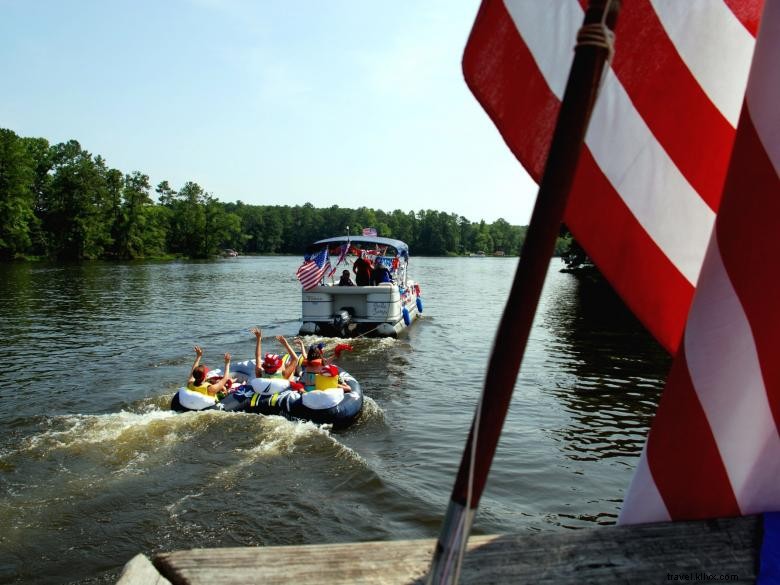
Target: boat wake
<point>118,440</point>
<point>122,431</point>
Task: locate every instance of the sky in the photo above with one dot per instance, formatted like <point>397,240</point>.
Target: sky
<point>270,102</point>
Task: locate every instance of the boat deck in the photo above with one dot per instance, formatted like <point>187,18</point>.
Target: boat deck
<point>719,550</point>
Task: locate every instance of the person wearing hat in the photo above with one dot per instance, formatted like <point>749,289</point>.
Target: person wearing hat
<point>200,381</point>
<point>272,365</point>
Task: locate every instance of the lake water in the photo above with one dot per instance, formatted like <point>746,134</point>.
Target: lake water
<point>94,468</point>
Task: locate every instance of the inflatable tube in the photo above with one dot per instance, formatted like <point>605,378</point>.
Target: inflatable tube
<point>407,318</point>
<point>341,414</point>
<point>419,305</point>
<point>182,401</point>
<point>273,396</point>
<point>190,400</point>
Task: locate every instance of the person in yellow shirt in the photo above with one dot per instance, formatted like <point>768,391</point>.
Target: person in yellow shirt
<point>198,381</point>
<point>318,374</point>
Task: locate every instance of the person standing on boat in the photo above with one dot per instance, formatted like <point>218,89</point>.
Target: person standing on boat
<point>362,270</point>
<point>198,381</point>
<point>272,365</point>
<point>346,279</point>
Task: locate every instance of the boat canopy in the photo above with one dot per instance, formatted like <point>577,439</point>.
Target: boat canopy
<point>400,247</point>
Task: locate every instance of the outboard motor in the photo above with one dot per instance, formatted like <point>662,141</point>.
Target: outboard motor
<point>342,320</point>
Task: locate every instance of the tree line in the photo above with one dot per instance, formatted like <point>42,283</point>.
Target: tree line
<point>60,201</point>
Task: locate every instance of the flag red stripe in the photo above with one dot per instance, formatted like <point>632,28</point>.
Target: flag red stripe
<point>503,76</point>
<point>749,214</point>
<point>748,12</point>
<point>671,101</point>
<point>661,308</point>
<point>683,455</point>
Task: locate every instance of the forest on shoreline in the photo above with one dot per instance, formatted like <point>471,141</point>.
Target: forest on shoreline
<point>61,202</point>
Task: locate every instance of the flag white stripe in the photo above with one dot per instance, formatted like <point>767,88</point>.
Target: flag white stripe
<point>549,30</point>
<point>763,97</point>
<point>625,149</point>
<point>643,501</point>
<point>724,368</point>
<point>715,47</point>
<point>676,217</point>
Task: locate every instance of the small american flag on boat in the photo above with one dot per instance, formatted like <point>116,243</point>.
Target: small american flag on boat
<point>311,271</point>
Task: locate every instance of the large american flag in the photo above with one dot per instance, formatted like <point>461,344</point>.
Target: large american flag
<point>714,448</point>
<point>650,179</point>
<point>644,202</point>
<point>311,271</point>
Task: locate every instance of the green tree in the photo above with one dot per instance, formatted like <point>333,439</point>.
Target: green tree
<point>364,217</point>
<point>450,230</point>
<point>17,198</point>
<point>223,229</point>
<point>109,204</point>
<point>134,232</point>
<point>187,231</point>
<point>41,153</point>
<point>483,241</point>
<point>506,238</point>
<point>155,230</point>
<point>275,222</point>
<point>305,228</point>
<point>251,223</point>
<point>570,251</point>
<point>77,207</point>
<point>62,201</point>
<point>467,234</point>
<point>165,193</point>
<point>402,225</point>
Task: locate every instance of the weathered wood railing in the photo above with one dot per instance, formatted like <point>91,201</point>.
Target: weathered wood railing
<point>720,550</point>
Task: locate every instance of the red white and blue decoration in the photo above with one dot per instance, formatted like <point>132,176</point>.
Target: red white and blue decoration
<point>310,273</point>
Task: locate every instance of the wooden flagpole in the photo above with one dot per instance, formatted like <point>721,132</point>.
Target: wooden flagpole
<point>594,42</point>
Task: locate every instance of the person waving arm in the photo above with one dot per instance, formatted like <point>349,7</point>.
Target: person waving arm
<point>198,355</point>
<point>292,363</point>
<point>213,389</point>
<point>258,351</point>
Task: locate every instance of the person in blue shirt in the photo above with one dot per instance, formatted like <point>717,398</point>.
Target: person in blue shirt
<point>380,274</point>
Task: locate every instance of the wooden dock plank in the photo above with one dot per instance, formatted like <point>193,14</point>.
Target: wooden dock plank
<point>651,553</point>
<point>140,571</point>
